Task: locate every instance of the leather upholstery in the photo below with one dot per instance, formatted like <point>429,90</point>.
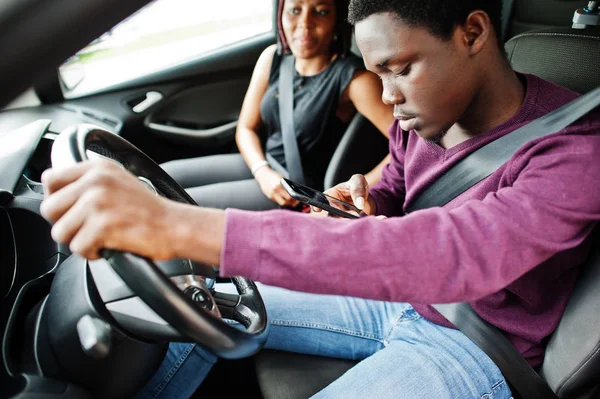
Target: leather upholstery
<point>362,147</point>
<point>565,56</point>
<point>572,363</point>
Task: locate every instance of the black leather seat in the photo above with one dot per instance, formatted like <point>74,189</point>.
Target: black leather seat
<point>565,56</point>
<point>361,148</point>
<point>572,363</point>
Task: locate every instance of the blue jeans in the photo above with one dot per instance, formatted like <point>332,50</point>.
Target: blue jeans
<point>401,354</point>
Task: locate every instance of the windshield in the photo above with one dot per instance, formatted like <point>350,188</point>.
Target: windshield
<point>163,34</point>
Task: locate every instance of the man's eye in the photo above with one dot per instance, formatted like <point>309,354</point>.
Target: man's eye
<point>294,10</point>
<point>404,72</point>
<point>322,13</point>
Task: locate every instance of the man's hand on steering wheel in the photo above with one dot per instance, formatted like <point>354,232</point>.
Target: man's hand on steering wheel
<point>97,204</point>
<point>100,206</point>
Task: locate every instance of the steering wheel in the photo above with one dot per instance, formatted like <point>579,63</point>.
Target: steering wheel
<point>196,316</point>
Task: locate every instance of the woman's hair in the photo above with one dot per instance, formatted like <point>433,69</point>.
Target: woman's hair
<point>440,17</point>
<point>343,30</point>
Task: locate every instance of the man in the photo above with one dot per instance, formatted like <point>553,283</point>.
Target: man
<point>511,245</point>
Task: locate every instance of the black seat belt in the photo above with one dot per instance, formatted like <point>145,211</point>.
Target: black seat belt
<point>286,120</point>
<point>466,173</point>
<point>486,160</point>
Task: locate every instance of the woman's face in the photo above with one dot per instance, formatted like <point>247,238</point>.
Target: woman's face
<point>309,26</point>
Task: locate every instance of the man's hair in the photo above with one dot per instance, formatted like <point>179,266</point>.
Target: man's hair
<point>440,17</point>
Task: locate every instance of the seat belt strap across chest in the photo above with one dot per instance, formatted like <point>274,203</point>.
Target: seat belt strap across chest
<point>486,160</point>
<point>286,119</point>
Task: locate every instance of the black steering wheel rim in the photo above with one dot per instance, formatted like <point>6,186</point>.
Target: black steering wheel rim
<point>145,278</point>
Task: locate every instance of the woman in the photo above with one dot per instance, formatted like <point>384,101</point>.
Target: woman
<point>329,84</point>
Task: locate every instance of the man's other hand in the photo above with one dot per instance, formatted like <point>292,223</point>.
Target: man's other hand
<point>354,191</point>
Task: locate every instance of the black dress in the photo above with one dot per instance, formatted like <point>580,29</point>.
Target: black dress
<point>318,129</point>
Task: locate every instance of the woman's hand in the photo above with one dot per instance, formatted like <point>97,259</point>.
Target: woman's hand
<point>270,184</point>
<point>354,191</point>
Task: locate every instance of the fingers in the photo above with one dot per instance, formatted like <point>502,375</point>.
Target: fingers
<point>277,196</point>
<point>289,201</point>
<point>55,179</point>
<point>59,201</point>
<point>64,186</point>
<point>278,199</point>
<point>87,241</point>
<point>359,190</point>
<point>69,224</point>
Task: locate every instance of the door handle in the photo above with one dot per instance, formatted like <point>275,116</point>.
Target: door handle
<point>152,97</point>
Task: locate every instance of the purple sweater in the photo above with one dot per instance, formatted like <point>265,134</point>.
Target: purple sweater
<point>511,245</point>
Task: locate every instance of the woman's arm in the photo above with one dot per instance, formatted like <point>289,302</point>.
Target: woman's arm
<point>249,121</point>
<point>364,91</point>
<point>247,137</point>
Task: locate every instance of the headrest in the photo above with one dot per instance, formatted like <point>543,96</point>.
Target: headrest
<point>565,56</point>
<point>528,15</point>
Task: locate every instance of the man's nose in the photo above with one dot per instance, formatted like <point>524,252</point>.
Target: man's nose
<point>392,95</point>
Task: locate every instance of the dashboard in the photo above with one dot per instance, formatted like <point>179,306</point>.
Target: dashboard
<point>28,255</point>
<point>46,289</point>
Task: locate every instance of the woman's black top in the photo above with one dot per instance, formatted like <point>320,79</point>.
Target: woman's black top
<point>317,128</point>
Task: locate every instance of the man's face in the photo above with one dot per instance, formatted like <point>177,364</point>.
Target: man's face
<point>430,82</point>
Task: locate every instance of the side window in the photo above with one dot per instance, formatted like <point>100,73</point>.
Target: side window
<point>163,34</point>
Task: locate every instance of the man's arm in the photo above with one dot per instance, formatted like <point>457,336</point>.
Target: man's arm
<point>97,204</point>
<point>433,255</point>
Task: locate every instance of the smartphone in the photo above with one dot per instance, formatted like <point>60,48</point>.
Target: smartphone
<point>321,200</point>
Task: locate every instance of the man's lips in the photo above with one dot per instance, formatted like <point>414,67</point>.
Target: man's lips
<point>406,122</point>
<point>403,117</point>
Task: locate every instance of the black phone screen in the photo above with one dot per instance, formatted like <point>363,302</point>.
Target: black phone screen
<point>321,200</point>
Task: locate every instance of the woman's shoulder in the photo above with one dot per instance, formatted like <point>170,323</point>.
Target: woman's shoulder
<point>345,69</point>
<point>350,61</point>
<point>268,56</point>
<point>269,60</point>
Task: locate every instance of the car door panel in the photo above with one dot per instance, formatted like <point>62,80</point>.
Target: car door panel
<point>196,114</point>
<point>198,107</point>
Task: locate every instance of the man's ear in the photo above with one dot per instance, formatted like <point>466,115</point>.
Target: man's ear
<point>477,31</point>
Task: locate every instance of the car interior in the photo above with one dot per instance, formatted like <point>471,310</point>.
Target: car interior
<point>79,329</point>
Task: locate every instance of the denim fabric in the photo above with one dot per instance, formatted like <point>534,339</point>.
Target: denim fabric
<point>180,374</point>
<point>402,355</point>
